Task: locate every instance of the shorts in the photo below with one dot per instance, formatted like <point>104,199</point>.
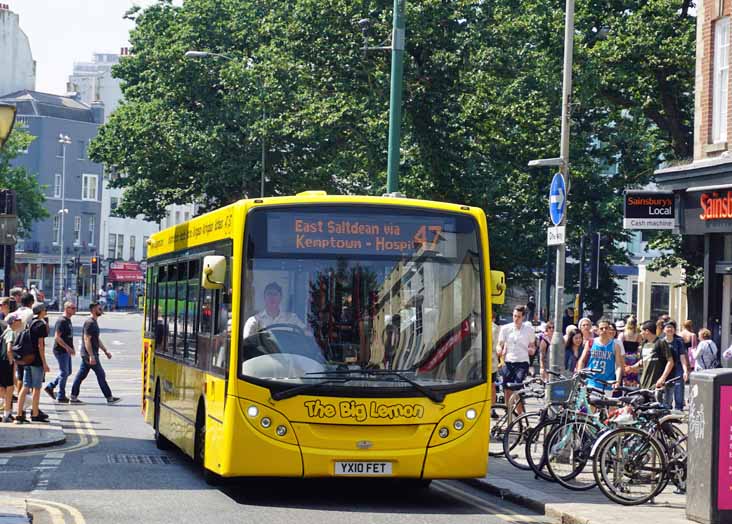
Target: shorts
<point>19,372</point>
<point>33,376</point>
<point>514,372</point>
<point>6,374</point>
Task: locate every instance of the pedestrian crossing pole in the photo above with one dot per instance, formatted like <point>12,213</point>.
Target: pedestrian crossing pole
<point>557,344</point>
<point>395,101</point>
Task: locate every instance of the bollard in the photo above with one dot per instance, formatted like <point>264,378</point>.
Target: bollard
<point>709,471</point>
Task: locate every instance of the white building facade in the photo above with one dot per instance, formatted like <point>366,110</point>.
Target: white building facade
<point>17,67</point>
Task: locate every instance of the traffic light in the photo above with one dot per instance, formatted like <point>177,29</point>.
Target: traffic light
<point>94,265</point>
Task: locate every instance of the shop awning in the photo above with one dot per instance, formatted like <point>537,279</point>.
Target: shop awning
<point>125,272</point>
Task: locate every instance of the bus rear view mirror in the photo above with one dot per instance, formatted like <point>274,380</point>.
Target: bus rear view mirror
<point>214,272</point>
<point>498,287</point>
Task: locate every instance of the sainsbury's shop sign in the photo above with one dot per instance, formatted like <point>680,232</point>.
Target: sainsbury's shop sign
<point>648,210</point>
<point>715,206</point>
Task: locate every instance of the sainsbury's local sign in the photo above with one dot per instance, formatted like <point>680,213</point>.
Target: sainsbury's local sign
<point>648,210</point>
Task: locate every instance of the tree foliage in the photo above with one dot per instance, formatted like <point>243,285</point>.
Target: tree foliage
<point>29,194</point>
<point>482,97</point>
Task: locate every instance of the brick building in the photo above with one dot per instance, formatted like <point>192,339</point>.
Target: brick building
<point>703,188</point>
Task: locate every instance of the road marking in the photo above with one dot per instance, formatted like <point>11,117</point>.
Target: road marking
<point>56,510</point>
<point>4,461</point>
<point>496,511</point>
<point>83,428</point>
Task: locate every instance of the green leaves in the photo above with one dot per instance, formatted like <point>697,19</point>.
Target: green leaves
<point>482,97</point>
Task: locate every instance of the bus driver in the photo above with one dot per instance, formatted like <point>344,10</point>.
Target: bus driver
<point>271,314</point>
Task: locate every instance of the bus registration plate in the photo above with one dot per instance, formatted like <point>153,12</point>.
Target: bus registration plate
<point>363,468</point>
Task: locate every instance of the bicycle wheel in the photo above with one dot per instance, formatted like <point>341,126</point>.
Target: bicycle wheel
<point>630,466</point>
<point>674,440</point>
<point>499,422</point>
<point>515,436</point>
<point>568,449</point>
<point>534,449</point>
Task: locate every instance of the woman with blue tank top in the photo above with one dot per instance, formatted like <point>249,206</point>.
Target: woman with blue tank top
<point>605,355</point>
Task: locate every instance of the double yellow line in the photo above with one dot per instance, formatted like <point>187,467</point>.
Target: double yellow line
<point>87,437</point>
<point>57,511</point>
<point>484,505</point>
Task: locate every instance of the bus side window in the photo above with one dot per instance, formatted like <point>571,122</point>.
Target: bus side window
<point>171,297</point>
<point>192,308</point>
<point>150,301</point>
<point>222,336</point>
<point>205,324</point>
<point>181,305</point>
<point>161,329</point>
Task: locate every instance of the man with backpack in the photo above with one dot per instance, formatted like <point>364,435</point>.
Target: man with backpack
<point>30,349</point>
<point>6,365</point>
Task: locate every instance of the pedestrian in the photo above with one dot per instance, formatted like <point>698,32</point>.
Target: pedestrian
<point>544,343</point>
<point>34,293</point>
<point>631,339</point>
<point>572,350</point>
<point>706,352</point>
<point>102,297</point>
<point>25,312</point>
<point>604,353</point>
<point>517,343</point>
<point>690,339</point>
<point>91,343</point>
<point>63,350</point>
<point>585,327</point>
<point>530,309</point>
<point>657,361</point>
<point>15,295</point>
<point>6,365</point>
<point>33,373</point>
<point>111,298</point>
<point>675,393</point>
<point>567,319</point>
<point>4,312</point>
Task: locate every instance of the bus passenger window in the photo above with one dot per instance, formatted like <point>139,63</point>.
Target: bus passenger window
<point>171,303</point>
<point>222,337</point>
<point>161,328</point>
<point>181,308</point>
<point>192,310</point>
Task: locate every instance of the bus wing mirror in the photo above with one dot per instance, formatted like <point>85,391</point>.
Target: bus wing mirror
<point>214,272</point>
<point>498,287</point>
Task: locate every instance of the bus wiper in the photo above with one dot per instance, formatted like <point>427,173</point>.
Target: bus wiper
<point>304,388</point>
<point>435,396</point>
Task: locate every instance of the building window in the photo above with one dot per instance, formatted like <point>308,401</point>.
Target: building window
<point>57,185</point>
<point>186,216</point>
<point>634,298</point>
<point>89,187</point>
<point>177,218</point>
<point>56,228</point>
<point>120,246</point>
<point>77,230</point>
<point>132,247</point>
<point>81,144</point>
<point>144,246</point>
<point>112,248</point>
<point>660,294</point>
<point>113,203</point>
<point>92,228</point>
<point>719,80</point>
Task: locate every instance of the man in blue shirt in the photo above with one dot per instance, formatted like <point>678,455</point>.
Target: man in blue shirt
<point>603,353</point>
<point>674,395</point>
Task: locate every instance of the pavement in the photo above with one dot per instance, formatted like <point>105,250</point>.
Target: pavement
<point>573,507</point>
<point>14,511</point>
<point>14,437</point>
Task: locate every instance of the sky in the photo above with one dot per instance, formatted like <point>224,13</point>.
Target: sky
<point>62,32</point>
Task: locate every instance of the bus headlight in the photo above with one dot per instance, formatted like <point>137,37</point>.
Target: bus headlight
<point>444,432</point>
<point>281,431</point>
<point>265,422</point>
<point>471,414</point>
<point>253,411</point>
<point>458,424</point>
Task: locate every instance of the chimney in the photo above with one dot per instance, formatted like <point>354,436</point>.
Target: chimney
<point>4,7</point>
<point>124,51</point>
<point>97,108</point>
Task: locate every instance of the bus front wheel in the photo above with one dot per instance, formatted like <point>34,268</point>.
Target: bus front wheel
<point>160,441</point>
<point>199,453</point>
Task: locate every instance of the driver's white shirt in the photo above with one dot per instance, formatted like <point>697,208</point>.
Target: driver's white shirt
<point>263,319</point>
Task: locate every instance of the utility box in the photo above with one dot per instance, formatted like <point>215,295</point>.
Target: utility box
<point>709,470</point>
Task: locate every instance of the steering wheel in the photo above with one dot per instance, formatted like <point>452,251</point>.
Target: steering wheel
<point>283,326</point>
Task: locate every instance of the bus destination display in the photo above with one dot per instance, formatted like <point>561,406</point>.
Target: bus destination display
<point>319,233</point>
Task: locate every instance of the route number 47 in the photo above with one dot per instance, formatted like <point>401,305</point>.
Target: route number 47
<point>422,237</point>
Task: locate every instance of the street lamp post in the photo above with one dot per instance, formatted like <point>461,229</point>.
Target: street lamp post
<point>64,140</point>
<point>395,100</point>
<point>207,54</point>
<point>7,120</point>
<point>7,204</point>
<point>555,354</point>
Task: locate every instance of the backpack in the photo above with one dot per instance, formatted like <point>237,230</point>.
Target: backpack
<point>23,351</point>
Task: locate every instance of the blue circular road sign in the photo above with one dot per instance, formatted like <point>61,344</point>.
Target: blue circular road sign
<point>557,199</point>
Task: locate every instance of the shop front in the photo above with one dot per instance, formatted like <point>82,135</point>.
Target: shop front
<point>127,279</point>
<point>703,193</point>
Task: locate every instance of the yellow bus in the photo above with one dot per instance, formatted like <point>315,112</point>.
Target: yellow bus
<point>322,336</point>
